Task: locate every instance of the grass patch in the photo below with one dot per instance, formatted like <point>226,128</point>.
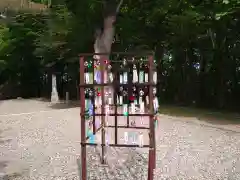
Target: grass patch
<point>212,116</point>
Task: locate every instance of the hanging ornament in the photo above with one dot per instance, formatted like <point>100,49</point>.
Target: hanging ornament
<point>141,93</point>
<point>125,78</point>
<point>155,104</point>
<point>110,74</point>
<point>86,74</point>
<point>121,96</point>
<point>140,139</point>
<point>125,73</point>
<point>146,73</point>
<point>141,72</point>
<point>141,77</point>
<point>141,103</point>
<point>135,74</point>
<point>118,100</point>
<point>121,78</point>
<point>98,76</point>
<point>135,95</point>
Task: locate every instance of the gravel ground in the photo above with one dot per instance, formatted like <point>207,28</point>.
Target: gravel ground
<point>39,142</point>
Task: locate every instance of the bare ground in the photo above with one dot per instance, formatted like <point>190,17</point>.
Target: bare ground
<point>42,142</point>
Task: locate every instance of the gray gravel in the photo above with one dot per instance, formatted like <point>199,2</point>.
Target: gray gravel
<point>43,143</point>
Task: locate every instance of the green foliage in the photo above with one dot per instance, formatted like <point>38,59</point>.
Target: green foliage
<point>196,43</point>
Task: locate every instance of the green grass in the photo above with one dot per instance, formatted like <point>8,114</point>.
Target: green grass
<point>201,114</point>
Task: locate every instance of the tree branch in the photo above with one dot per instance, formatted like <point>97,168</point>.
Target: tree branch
<point>119,6</point>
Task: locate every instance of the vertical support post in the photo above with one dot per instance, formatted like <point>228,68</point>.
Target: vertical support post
<point>93,100</point>
<point>115,110</point>
<point>151,162</point>
<point>102,66</point>
<point>82,116</point>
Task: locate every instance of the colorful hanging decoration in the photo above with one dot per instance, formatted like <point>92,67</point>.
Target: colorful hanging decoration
<point>146,73</point>
<point>86,73</point>
<point>110,74</point>
<point>141,72</point>
<point>125,73</point>
<point>141,103</point>
<point>135,95</point>
<point>155,77</point>
<point>121,96</point>
<point>135,74</point>
<point>155,101</point>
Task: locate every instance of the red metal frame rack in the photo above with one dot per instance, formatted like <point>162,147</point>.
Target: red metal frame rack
<point>150,113</point>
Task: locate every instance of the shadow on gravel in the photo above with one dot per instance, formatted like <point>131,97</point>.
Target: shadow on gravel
<point>4,164</point>
<point>64,105</point>
<point>122,163</point>
<point>61,104</point>
<point>209,116</point>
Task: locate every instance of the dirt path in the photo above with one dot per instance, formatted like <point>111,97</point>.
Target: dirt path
<point>38,142</point>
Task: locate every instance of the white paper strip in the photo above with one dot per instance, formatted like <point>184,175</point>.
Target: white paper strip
<point>133,109</point>
<point>125,108</point>
<point>86,75</point>
<point>155,77</point>
<point>140,140</point>
<point>146,77</point>
<point>120,100</point>
<point>142,108</point>
<point>121,79</point>
<point>141,77</point>
<point>125,77</point>
<point>135,76</point>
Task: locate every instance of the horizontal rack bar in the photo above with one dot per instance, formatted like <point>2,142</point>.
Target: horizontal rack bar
<point>140,53</point>
<point>115,145</point>
<point>145,115</point>
<point>117,84</point>
<point>129,127</point>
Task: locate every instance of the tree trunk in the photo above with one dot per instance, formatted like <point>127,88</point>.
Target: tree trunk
<point>104,38</point>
